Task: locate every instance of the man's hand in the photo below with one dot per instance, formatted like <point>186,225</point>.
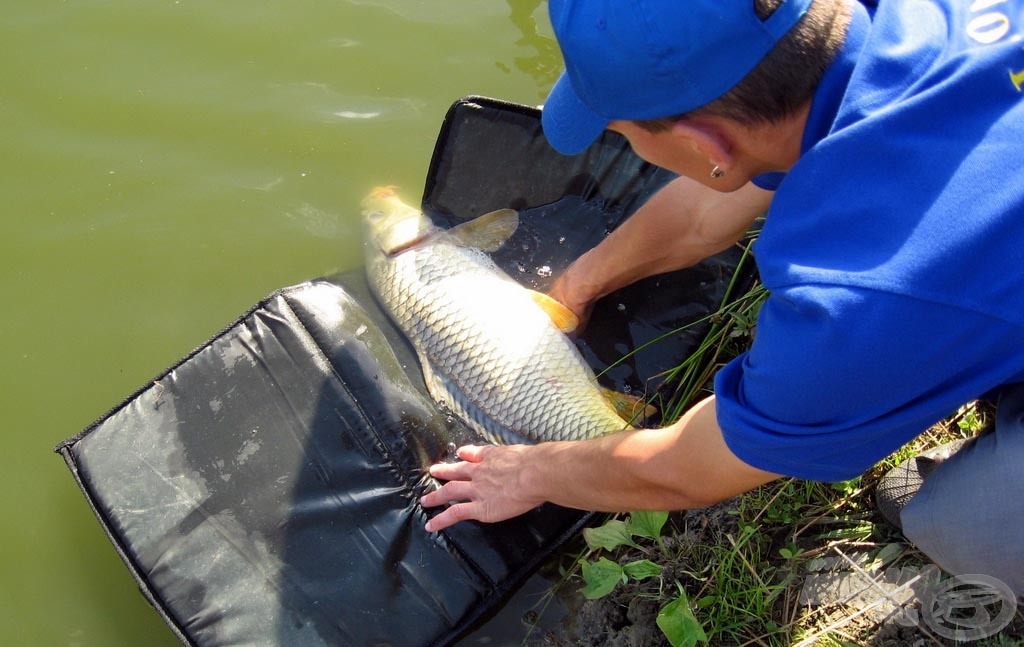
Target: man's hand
<point>567,291</point>
<point>486,485</point>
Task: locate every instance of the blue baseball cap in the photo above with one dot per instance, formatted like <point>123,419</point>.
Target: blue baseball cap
<point>649,59</point>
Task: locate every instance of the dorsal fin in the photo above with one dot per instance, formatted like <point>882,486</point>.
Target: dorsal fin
<point>487,232</point>
<point>564,318</point>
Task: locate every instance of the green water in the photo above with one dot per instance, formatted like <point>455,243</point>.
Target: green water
<point>163,166</point>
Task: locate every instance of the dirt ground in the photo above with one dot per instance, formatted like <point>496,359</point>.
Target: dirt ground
<point>627,616</point>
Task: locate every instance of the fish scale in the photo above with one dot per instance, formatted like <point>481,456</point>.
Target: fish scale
<point>489,353</point>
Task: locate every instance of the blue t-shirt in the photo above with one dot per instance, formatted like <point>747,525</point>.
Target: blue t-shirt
<point>894,249</point>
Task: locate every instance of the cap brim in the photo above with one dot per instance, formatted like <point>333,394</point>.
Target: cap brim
<point>569,125</point>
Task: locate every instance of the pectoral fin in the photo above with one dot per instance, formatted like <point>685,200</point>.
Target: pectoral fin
<point>629,407</point>
<point>564,318</point>
<point>487,232</point>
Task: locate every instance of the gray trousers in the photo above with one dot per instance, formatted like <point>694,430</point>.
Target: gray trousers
<point>968,516</point>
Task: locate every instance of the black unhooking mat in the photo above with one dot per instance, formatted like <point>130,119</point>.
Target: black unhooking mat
<point>264,490</point>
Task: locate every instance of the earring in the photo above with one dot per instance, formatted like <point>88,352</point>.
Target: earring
<point>717,172</point>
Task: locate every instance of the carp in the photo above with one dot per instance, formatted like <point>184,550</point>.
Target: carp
<point>492,351</point>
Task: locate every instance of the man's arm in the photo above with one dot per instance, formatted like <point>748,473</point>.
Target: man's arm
<point>685,465</point>
<point>682,224</point>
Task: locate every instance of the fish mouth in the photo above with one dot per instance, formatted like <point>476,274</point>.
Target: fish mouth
<point>406,246</point>
<point>384,192</point>
<point>391,225</point>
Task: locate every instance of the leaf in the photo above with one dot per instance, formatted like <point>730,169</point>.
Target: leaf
<point>679,625</point>
<point>647,523</point>
<point>706,601</point>
<point>641,569</point>
<point>610,536</point>
<point>887,554</point>
<point>600,577</point>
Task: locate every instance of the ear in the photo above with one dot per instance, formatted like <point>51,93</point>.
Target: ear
<point>710,137</point>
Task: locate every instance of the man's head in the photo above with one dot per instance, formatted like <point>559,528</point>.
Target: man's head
<point>643,60</point>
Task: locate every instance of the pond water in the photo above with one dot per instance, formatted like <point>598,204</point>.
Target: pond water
<point>166,164</point>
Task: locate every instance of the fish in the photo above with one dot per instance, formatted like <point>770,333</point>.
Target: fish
<point>492,351</point>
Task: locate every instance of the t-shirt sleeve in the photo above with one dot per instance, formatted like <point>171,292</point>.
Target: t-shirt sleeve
<point>838,378</point>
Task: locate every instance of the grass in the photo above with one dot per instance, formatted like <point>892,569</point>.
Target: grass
<point>741,565</point>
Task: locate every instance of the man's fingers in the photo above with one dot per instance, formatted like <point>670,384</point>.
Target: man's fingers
<point>468,454</point>
<point>447,493</point>
<point>451,516</point>
<point>472,453</point>
<point>451,471</point>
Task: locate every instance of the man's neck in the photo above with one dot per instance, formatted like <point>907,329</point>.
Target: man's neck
<point>774,147</point>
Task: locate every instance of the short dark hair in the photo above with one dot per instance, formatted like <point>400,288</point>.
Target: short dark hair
<point>788,75</point>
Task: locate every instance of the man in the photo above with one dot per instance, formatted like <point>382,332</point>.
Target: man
<point>886,141</point>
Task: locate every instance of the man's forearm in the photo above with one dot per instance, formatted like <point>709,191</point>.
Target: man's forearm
<point>680,225</point>
<point>685,465</point>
